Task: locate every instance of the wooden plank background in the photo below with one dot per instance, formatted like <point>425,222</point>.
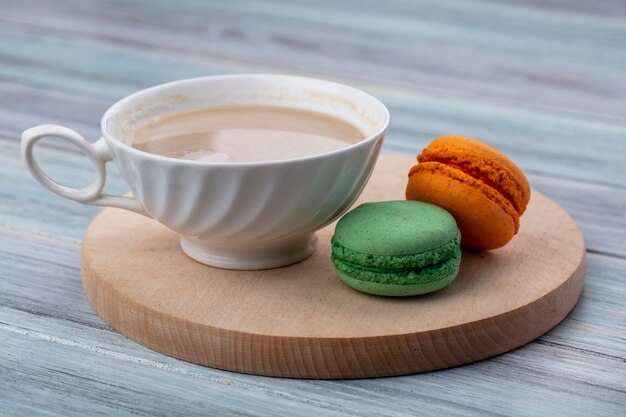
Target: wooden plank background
<point>542,80</point>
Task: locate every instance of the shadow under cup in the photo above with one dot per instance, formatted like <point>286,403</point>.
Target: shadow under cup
<point>247,215</point>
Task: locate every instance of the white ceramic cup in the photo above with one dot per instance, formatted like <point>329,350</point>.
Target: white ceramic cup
<point>235,215</point>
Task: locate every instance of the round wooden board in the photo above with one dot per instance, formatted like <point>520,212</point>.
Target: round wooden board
<point>301,321</point>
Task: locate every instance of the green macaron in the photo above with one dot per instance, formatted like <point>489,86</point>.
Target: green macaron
<point>397,248</point>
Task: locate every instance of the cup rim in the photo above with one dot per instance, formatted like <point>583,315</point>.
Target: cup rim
<point>117,142</point>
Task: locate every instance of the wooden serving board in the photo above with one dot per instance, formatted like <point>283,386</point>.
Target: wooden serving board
<point>301,321</point>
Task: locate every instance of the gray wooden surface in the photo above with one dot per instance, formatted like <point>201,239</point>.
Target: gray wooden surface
<point>543,80</point>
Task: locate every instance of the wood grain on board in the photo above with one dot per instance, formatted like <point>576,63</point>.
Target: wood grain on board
<point>301,321</point>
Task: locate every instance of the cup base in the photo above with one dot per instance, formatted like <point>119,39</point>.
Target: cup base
<point>266,256</point>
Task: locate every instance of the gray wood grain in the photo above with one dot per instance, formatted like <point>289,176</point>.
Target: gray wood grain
<point>76,377</point>
<point>86,359</point>
<point>507,54</point>
<point>67,320</point>
<point>542,80</point>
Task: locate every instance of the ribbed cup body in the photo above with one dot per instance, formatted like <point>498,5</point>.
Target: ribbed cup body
<point>243,205</point>
<point>238,204</point>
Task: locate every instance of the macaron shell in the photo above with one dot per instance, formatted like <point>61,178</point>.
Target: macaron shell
<point>483,162</point>
<point>486,220</point>
<point>396,248</point>
<point>392,290</point>
<point>395,228</point>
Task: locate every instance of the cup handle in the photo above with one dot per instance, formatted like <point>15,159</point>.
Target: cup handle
<point>99,154</point>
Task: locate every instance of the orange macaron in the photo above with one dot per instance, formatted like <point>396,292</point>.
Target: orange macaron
<point>482,188</point>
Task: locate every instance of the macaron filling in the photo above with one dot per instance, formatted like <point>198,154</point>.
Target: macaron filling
<point>492,171</point>
<point>493,178</point>
<point>407,276</point>
<point>426,267</point>
<point>461,176</point>
<point>384,262</point>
